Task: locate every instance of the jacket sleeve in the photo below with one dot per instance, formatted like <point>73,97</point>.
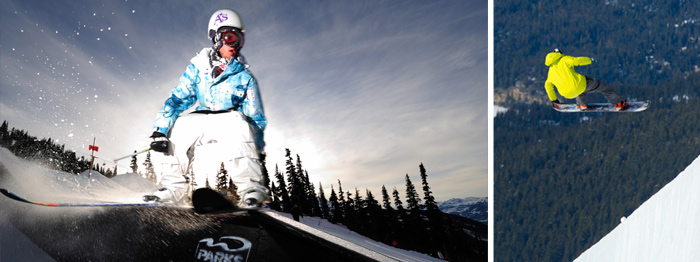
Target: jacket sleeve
<point>579,61</point>
<point>549,87</point>
<point>181,98</point>
<point>252,107</point>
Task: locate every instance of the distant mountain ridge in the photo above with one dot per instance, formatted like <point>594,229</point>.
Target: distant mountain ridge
<point>475,208</point>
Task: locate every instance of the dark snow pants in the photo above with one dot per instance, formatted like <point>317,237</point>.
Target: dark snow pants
<point>595,86</point>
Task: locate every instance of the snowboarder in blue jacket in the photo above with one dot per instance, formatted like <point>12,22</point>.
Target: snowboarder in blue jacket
<point>227,126</point>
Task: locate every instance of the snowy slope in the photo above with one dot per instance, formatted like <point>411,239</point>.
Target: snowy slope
<point>44,185</point>
<point>664,228</point>
<point>135,182</point>
<point>475,208</point>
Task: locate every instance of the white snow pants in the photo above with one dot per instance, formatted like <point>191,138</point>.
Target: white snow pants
<point>202,142</point>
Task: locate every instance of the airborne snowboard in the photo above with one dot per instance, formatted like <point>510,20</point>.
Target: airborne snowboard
<point>602,107</point>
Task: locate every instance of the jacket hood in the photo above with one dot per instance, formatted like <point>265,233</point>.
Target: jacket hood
<point>552,58</point>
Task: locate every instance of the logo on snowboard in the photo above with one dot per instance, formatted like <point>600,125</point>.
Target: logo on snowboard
<point>229,248</point>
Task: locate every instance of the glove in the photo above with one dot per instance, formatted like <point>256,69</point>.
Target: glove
<point>160,143</point>
<point>594,61</point>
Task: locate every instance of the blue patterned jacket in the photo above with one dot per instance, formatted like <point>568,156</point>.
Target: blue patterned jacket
<point>235,89</point>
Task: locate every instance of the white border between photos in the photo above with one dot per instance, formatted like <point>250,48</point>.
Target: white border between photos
<point>490,131</point>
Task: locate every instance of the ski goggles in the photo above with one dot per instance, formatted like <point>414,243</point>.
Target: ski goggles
<point>232,38</point>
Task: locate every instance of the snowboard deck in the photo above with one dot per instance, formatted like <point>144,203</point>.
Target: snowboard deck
<point>602,107</point>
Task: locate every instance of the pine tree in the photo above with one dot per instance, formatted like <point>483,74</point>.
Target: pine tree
<point>378,225</point>
<point>361,218</point>
<point>400,211</point>
<point>83,164</point>
<point>107,172</point>
<point>336,208</point>
<point>412,198</point>
<point>4,134</point>
<point>193,181</point>
<point>150,172</point>
<point>70,161</point>
<point>432,212</point>
<point>430,204</point>
<point>386,201</point>
<point>222,179</point>
<point>275,205</point>
<point>371,202</point>
<point>134,166</point>
<point>282,191</point>
<point>311,198</point>
<point>294,184</point>
<point>349,212</point>
<point>360,204</point>
<point>398,232</point>
<point>414,218</point>
<point>342,203</point>
<point>325,213</point>
<point>341,196</point>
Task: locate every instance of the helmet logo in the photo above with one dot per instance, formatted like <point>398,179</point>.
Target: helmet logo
<point>220,18</point>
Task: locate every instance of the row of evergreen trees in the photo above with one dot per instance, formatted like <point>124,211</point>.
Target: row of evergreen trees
<point>51,155</point>
<point>42,151</point>
<point>418,225</point>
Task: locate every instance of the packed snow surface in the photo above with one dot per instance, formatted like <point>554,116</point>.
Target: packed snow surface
<point>664,228</point>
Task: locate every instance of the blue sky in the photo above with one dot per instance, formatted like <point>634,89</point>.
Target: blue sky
<point>363,91</point>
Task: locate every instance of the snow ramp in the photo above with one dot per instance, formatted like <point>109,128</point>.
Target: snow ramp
<point>664,228</point>
<point>157,233</point>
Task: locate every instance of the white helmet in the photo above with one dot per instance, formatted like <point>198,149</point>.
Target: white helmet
<point>224,18</point>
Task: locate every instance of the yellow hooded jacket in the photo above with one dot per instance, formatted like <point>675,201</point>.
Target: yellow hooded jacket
<point>562,75</point>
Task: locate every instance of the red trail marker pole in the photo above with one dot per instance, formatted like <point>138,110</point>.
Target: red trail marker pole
<point>92,148</point>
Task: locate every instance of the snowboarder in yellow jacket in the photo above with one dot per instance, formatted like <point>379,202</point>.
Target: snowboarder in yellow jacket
<point>574,85</point>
